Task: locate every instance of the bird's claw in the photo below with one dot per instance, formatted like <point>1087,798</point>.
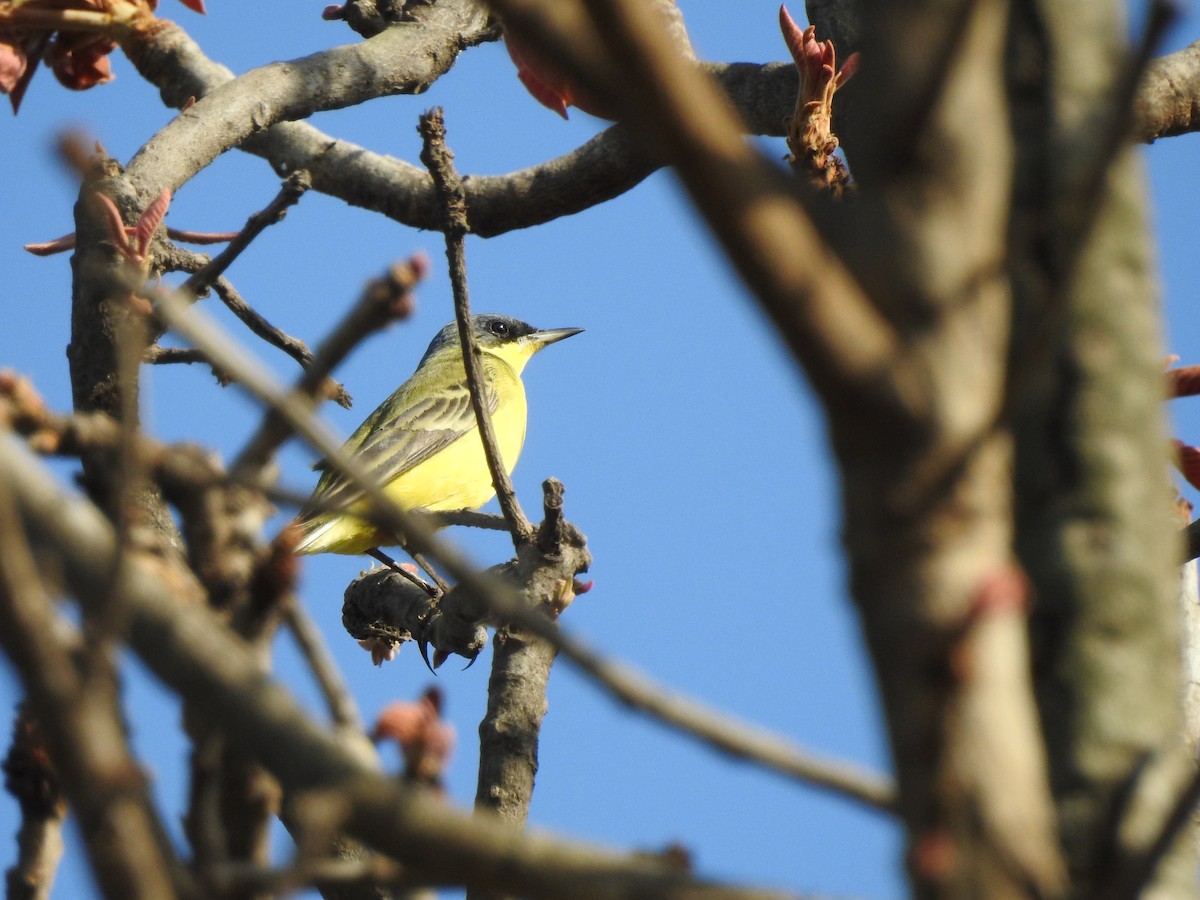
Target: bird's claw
<point>423,646</point>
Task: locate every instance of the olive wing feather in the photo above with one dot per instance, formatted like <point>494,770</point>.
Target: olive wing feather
<point>401,435</point>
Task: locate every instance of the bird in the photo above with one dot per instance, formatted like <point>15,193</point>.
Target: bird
<point>422,443</point>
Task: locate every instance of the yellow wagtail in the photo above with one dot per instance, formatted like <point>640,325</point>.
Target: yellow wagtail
<point>423,442</point>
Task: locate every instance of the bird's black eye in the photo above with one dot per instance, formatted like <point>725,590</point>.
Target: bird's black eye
<point>500,329</point>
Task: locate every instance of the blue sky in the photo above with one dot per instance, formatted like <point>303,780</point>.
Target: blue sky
<point>693,454</point>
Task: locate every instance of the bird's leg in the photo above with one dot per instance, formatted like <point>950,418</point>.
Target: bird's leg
<point>378,554</point>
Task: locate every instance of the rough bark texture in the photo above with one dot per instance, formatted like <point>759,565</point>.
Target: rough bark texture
<point>508,735</point>
<point>1095,530</point>
<point>928,520</point>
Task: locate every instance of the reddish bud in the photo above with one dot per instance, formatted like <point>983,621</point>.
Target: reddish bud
<point>49,248</point>
<point>381,650</point>
<point>80,62</point>
<point>150,219</point>
<point>425,739</point>
<point>1183,382</point>
<point>13,63</point>
<point>1187,459</point>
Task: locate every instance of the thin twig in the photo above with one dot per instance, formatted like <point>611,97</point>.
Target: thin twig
<point>201,237</point>
<point>178,259</point>
<point>294,187</point>
<point>723,732</point>
<point>384,300</point>
<point>449,188</point>
<point>342,708</point>
<point>167,356</point>
<point>470,518</point>
<point>293,347</point>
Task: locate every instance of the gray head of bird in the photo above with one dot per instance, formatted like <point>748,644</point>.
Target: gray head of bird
<point>494,332</point>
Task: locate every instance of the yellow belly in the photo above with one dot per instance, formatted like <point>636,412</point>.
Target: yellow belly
<point>456,477</point>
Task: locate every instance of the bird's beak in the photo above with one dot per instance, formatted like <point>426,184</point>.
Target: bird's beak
<point>549,336</point>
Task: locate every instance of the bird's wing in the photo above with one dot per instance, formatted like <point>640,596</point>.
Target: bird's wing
<point>401,434</point>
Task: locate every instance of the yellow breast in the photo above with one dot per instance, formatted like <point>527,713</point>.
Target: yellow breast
<point>456,477</point>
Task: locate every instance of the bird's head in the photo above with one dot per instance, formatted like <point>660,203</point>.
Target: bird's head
<point>510,339</point>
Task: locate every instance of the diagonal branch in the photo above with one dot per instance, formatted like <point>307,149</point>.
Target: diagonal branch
<point>194,654</point>
<point>294,187</point>
<point>178,259</point>
<point>383,300</point>
<point>831,327</point>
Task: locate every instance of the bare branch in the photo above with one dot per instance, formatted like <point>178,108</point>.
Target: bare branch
<point>437,156</point>
<point>289,195</point>
<point>194,654</point>
<point>1168,99</point>
<point>342,708</point>
<point>384,300</point>
<point>177,259</point>
<point>32,782</point>
<point>80,719</point>
<point>404,59</point>
<point>831,327</point>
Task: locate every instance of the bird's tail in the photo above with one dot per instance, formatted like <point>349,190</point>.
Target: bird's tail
<point>312,531</point>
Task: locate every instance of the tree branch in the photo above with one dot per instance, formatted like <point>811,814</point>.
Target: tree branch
<point>383,300</point>
<point>80,719</point>
<point>1168,100</point>
<point>196,656</point>
<point>452,199</point>
<point>289,195</point>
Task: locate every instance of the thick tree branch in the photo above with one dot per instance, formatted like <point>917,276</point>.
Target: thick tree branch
<point>1168,100</point>
<point>833,330</point>
<point>404,59</point>
<point>1093,508</point>
<point>599,170</point>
